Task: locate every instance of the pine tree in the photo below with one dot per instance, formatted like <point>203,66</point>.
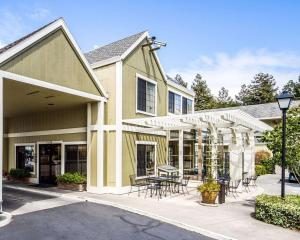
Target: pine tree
<point>261,90</point>
<point>203,97</point>
<point>293,87</point>
<point>180,80</point>
<point>224,100</point>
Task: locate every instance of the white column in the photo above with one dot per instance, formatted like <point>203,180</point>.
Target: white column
<point>180,152</point>
<point>214,151</point>
<point>100,143</point>
<point>1,138</point>
<point>119,134</point>
<point>88,144</point>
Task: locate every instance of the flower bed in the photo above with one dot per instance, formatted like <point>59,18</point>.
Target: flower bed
<point>278,211</point>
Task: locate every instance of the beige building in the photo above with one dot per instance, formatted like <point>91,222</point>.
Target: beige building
<point>108,114</point>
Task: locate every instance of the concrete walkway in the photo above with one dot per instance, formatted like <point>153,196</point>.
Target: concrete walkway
<point>232,220</point>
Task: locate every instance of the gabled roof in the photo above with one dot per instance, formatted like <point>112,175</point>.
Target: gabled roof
<point>114,49</point>
<point>14,48</point>
<point>261,111</point>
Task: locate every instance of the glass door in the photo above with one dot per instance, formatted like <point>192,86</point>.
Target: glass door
<point>50,162</point>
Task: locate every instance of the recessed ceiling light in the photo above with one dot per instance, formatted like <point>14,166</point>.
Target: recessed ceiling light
<point>51,104</point>
<point>50,96</point>
<point>31,93</point>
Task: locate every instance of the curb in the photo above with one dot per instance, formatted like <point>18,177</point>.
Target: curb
<point>182,225</point>
<point>7,219</point>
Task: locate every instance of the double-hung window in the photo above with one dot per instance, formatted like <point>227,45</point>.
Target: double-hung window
<point>174,103</point>
<point>146,96</point>
<point>187,106</point>
<point>76,158</point>
<point>145,159</point>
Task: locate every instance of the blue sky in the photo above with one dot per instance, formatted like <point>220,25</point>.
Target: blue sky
<point>226,41</point>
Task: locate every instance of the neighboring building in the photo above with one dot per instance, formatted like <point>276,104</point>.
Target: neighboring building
<point>109,114</point>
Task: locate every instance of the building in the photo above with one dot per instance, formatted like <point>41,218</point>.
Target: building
<point>109,113</point>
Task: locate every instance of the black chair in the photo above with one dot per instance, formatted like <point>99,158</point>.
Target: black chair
<point>183,183</point>
<point>234,186</point>
<point>153,186</point>
<point>140,183</point>
<point>246,183</point>
<point>253,179</point>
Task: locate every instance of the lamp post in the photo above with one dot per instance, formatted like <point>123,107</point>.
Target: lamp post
<point>284,101</point>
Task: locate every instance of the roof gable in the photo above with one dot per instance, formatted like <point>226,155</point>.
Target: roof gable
<point>29,40</point>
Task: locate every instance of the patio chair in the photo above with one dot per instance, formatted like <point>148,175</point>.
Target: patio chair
<point>234,186</point>
<point>246,183</point>
<point>136,183</point>
<point>253,179</point>
<point>183,183</point>
<point>153,187</point>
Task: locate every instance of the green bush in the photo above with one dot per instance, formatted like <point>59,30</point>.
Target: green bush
<point>269,165</point>
<point>209,186</point>
<point>260,170</point>
<point>260,156</point>
<point>19,173</point>
<point>76,178</point>
<point>278,211</point>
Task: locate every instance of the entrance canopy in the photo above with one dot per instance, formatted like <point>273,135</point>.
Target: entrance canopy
<point>229,119</point>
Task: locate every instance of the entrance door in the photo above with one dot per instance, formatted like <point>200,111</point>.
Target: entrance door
<point>50,162</point>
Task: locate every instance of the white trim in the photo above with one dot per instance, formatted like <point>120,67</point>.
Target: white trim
<point>88,146</point>
<point>182,95</point>
<point>36,82</point>
<point>100,147</point>
<point>44,32</point>
<point>270,118</point>
<point>133,46</point>
<point>137,76</point>
<point>148,131</point>
<point>106,62</point>
<point>34,151</point>
<point>181,88</point>
<point>155,152</point>
<point>119,116</point>
<point>47,132</point>
<point>109,127</point>
<point>1,138</point>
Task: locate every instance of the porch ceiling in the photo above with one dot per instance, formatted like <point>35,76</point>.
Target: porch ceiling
<point>235,119</point>
<point>22,98</point>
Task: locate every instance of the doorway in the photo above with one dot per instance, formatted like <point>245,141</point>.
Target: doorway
<point>49,162</point>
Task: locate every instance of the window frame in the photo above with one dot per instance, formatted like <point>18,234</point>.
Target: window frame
<point>35,155</point>
<point>137,76</point>
<point>155,157</point>
<point>63,160</point>
<point>182,95</point>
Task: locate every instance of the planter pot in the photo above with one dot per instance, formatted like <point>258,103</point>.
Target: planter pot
<point>18,180</point>
<point>209,197</point>
<point>72,186</point>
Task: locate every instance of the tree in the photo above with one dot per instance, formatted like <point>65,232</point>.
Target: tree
<point>274,140</point>
<point>224,100</point>
<point>261,90</point>
<point>203,97</point>
<point>293,87</point>
<point>180,80</point>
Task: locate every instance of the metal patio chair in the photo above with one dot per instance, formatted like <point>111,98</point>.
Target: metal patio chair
<point>253,179</point>
<point>153,186</point>
<point>234,186</point>
<point>183,183</point>
<point>141,183</point>
<point>246,183</point>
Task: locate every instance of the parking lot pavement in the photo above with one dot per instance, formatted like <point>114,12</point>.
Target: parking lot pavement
<point>40,216</point>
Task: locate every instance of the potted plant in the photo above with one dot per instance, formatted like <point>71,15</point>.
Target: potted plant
<point>209,191</point>
<point>19,175</point>
<point>72,181</point>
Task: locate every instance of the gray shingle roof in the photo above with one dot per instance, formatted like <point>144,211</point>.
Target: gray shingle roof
<point>261,111</point>
<point>113,49</point>
<point>7,47</point>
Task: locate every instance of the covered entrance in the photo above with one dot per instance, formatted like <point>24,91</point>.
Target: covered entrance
<point>49,162</point>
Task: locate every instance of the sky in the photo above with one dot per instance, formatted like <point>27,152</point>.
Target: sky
<point>227,42</point>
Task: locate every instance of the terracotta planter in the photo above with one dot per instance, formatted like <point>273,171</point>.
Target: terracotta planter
<point>209,197</point>
<point>72,186</point>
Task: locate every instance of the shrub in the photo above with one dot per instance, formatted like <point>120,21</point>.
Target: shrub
<point>19,173</point>
<point>278,211</point>
<point>260,156</point>
<point>76,178</point>
<point>269,164</point>
<point>209,186</point>
<point>260,170</point>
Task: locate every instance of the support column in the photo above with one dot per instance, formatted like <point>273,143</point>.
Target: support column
<point>100,144</point>
<point>1,138</point>
<point>200,154</point>
<point>88,144</point>
<point>214,151</point>
<point>180,159</point>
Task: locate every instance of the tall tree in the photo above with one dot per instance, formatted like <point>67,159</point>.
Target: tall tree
<point>224,100</point>
<point>180,80</point>
<point>262,89</point>
<point>293,87</point>
<point>203,97</point>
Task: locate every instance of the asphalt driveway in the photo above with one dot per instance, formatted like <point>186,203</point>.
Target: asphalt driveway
<point>82,220</point>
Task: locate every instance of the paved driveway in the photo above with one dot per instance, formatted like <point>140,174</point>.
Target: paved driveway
<point>80,220</point>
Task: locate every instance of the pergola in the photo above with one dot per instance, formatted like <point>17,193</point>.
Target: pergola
<point>230,123</point>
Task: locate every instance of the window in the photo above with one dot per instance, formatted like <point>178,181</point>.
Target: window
<point>75,158</point>
<point>145,160</point>
<point>25,157</point>
<point>187,106</point>
<point>146,96</point>
<point>174,103</point>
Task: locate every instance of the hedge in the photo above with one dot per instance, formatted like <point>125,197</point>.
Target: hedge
<point>18,173</point>
<point>76,178</point>
<point>260,170</point>
<point>278,211</point>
